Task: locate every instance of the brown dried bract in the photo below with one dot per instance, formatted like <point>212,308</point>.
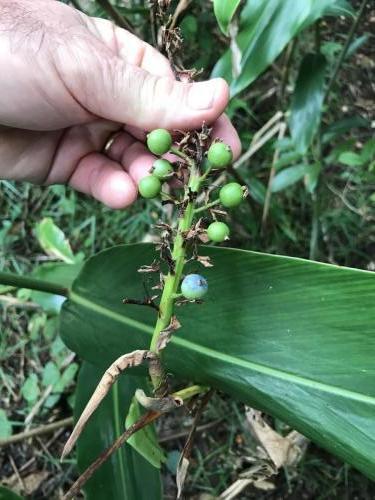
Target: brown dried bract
<point>110,376</point>
<point>204,260</point>
<point>153,268</point>
<point>166,334</point>
<point>163,405</point>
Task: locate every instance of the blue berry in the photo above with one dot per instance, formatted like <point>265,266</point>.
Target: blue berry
<point>194,286</point>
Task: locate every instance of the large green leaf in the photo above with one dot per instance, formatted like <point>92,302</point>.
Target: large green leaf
<point>292,337</point>
<point>266,27</point>
<point>307,101</point>
<point>6,494</point>
<point>126,475</point>
<point>224,12</point>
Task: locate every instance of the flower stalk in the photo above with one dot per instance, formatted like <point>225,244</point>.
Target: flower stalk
<point>173,278</point>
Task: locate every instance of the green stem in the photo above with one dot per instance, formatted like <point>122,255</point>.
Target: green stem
<point>172,280</point>
<point>206,207</point>
<point>189,392</point>
<point>18,281</point>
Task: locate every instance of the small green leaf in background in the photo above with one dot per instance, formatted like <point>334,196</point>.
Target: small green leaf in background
<point>224,12</point>
<point>30,388</point>
<point>351,159</point>
<point>257,190</point>
<point>356,44</point>
<point>342,126</point>
<point>307,101</point>
<point>6,494</point>
<point>368,151</point>
<point>59,382</point>
<point>189,28</point>
<point>289,176</point>
<point>36,325</point>
<point>53,241</point>
<point>312,176</point>
<point>145,440</point>
<point>287,158</point>
<point>66,378</point>
<point>51,374</point>
<point>340,8</point>
<point>5,425</point>
<point>172,461</point>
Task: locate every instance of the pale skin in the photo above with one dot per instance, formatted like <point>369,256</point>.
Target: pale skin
<point>68,82</point>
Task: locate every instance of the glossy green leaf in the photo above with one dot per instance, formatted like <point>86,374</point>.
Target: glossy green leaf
<point>53,241</point>
<point>144,441</point>
<point>291,337</point>
<point>126,475</point>
<point>288,176</point>
<point>6,494</point>
<point>307,101</point>
<point>266,27</point>
<point>224,12</point>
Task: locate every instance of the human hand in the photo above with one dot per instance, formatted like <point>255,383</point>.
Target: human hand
<point>69,81</point>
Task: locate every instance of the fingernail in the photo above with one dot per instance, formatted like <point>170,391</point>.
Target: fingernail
<point>202,94</point>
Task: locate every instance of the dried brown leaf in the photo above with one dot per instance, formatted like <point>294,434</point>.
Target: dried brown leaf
<point>110,376</point>
<point>283,451</point>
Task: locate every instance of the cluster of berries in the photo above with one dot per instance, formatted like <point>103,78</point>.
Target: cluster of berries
<point>219,156</point>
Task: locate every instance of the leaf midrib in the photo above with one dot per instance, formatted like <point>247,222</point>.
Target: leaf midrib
<point>257,367</point>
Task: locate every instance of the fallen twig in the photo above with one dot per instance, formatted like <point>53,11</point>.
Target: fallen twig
<point>38,431</point>
<point>146,419</point>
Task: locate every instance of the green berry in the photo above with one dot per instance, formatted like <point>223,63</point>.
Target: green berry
<point>219,155</point>
<point>218,232</point>
<point>149,186</point>
<point>231,194</point>
<point>162,168</point>
<point>194,286</point>
<point>159,141</point>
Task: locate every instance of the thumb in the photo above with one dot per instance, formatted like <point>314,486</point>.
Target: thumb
<point>115,90</point>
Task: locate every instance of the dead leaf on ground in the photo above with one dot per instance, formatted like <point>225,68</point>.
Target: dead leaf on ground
<point>283,451</point>
<point>30,483</point>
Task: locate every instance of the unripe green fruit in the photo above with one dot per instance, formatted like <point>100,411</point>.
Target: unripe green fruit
<point>162,168</point>
<point>231,194</point>
<point>219,155</point>
<point>159,141</point>
<point>218,232</point>
<point>149,186</point>
<point>194,286</point>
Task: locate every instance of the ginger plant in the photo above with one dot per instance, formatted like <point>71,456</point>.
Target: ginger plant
<point>192,170</point>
